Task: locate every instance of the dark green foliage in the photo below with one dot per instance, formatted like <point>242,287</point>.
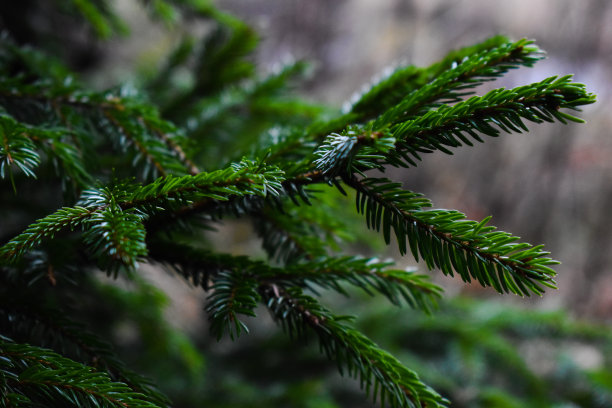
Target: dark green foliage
<point>378,371</point>
<point>33,375</point>
<point>136,175</point>
<point>414,90</point>
<point>444,239</point>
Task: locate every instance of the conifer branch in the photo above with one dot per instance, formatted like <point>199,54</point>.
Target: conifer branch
<point>443,128</point>
<point>370,275</point>
<point>171,143</point>
<point>451,85</point>
<point>40,375</point>
<point>140,145</point>
<point>239,179</point>
<point>233,294</point>
<point>116,237</point>
<point>360,149</point>
<point>292,187</point>
<point>286,240</point>
<point>20,145</point>
<point>47,119</point>
<point>58,329</point>
<point>113,224</point>
<point>16,149</point>
<point>47,227</point>
<point>391,89</point>
<point>378,371</point>
<point>129,119</point>
<point>446,240</point>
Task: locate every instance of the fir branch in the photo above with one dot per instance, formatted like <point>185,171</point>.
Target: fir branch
<point>370,275</point>
<point>240,188</point>
<point>239,179</point>
<point>413,111</point>
<point>55,95</point>
<point>16,149</point>
<point>395,86</point>
<point>451,85</point>
<point>59,331</point>
<point>355,150</point>
<point>109,215</point>
<point>116,237</point>
<point>41,375</point>
<point>360,149</point>
<point>506,109</point>
<point>235,284</point>
<point>141,146</point>
<point>233,294</point>
<point>293,187</point>
<point>173,145</point>
<point>378,371</point>
<point>533,102</point>
<point>20,146</point>
<point>286,240</point>
<point>47,227</point>
<point>446,240</point>
<point>130,123</point>
<point>265,184</point>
